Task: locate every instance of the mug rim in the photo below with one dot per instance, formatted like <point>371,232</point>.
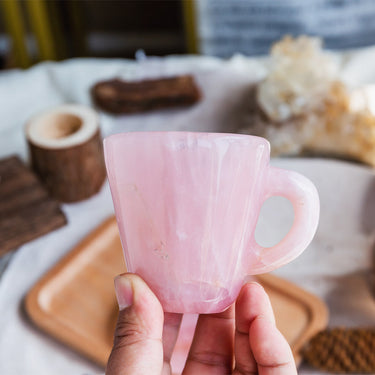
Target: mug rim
<point>260,140</point>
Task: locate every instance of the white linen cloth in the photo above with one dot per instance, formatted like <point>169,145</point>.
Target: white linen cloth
<point>23,349</point>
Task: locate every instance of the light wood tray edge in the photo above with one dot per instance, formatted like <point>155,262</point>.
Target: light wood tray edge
<point>43,320</point>
<point>316,308</point>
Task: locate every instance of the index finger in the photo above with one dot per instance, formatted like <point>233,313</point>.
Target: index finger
<point>271,351</point>
<point>251,302</point>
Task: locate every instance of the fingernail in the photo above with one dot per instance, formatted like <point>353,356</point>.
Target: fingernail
<point>256,283</point>
<point>124,292</point>
<point>265,318</point>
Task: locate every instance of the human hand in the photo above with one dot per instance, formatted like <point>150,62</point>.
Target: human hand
<point>241,340</point>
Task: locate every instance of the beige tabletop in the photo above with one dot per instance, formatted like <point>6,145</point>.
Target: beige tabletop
<point>337,266</point>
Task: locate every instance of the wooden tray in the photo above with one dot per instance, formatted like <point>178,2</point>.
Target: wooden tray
<point>75,301</point>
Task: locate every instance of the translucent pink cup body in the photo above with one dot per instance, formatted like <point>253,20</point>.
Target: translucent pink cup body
<point>187,206</point>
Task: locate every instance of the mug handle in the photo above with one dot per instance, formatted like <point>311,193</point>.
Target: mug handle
<point>303,195</point>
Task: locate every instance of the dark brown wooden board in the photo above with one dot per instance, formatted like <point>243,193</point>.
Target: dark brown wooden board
<point>26,209</point>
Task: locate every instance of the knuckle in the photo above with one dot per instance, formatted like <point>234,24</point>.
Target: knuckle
<point>245,369</point>
<point>277,365</point>
<point>127,333</point>
<point>211,358</point>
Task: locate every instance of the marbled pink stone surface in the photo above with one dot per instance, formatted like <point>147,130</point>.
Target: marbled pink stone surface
<point>187,206</point>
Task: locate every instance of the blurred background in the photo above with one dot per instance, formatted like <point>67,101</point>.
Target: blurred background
<point>36,30</point>
<point>31,31</point>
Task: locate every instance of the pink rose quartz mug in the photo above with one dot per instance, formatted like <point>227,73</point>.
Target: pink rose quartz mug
<point>187,205</point>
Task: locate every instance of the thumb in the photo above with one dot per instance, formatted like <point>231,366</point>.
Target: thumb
<point>138,345</point>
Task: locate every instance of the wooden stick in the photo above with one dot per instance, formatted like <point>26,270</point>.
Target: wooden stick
<point>116,96</point>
